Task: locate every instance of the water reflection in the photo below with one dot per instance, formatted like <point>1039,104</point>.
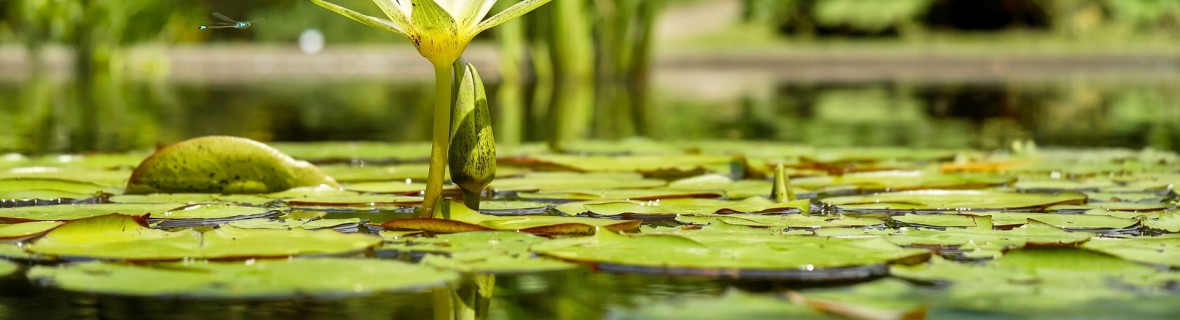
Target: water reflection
<point>46,115</point>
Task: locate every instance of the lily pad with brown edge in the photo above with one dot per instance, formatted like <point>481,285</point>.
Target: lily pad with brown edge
<point>238,280</point>
<point>1159,250</point>
<point>119,237</point>
<point>1043,280</point>
<point>785,221</point>
<point>23,230</point>
<point>222,164</point>
<point>331,198</point>
<point>1005,220</point>
<point>673,207</point>
<point>463,219</point>
<point>937,220</point>
<point>81,211</point>
<point>801,258</point>
<point>952,200</point>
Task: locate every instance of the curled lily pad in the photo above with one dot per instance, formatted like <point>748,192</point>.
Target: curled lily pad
<point>250,279</point>
<point>118,237</point>
<point>954,200</point>
<point>736,256</point>
<point>463,219</point>
<point>221,164</point>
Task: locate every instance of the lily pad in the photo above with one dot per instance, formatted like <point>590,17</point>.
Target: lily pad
<point>251,279</point>
<point>786,221</point>
<point>497,252</point>
<point>463,219</point>
<point>118,237</point>
<point>80,211</point>
<point>678,166</point>
<point>741,256</point>
<point>1169,222</point>
<point>69,186</point>
<point>620,194</point>
<point>222,164</point>
<point>289,224</point>
<point>362,151</point>
<point>863,182</point>
<point>1163,251</point>
<point>982,236</point>
<point>673,207</point>
<point>26,229</point>
<point>954,200</point>
<point>190,198</point>
<point>506,208</point>
<point>559,181</point>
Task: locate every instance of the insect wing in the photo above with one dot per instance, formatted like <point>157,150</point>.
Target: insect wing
<point>222,17</point>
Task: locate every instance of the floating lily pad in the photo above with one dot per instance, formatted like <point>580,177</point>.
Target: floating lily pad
<point>1163,250</point>
<point>733,304</point>
<point>786,221</point>
<point>673,207</point>
<point>366,151</point>
<point>862,182</point>
<point>559,181</point>
<point>506,208</point>
<point>740,256</point>
<point>948,220</point>
<point>190,198</point>
<point>288,224</point>
<point>252,279</point>
<point>740,189</point>
<point>1063,185</point>
<point>1169,222</point>
<point>1054,279</point>
<point>26,229</point>
<point>80,211</point>
<point>118,237</point>
<point>393,187</point>
<point>954,200</point>
<point>69,186</point>
<point>1033,232</point>
<point>1064,221</point>
<point>621,194</point>
<point>678,166</point>
<point>115,179</point>
<point>462,219</point>
<point>498,252</point>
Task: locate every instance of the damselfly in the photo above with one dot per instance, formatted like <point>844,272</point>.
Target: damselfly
<point>226,22</point>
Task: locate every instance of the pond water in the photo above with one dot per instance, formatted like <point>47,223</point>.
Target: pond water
<point>1132,113</point>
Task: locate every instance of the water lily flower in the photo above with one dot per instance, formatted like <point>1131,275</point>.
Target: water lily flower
<point>440,29</point>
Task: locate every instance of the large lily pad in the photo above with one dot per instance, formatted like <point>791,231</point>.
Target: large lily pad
<point>498,252</point>
<point>1163,250</point>
<point>250,279</point>
<point>118,237</point>
<point>952,200</point>
<point>786,221</point>
<point>620,194</point>
<point>740,256</point>
<point>26,229</point>
<point>560,181</point>
<point>62,185</point>
<point>876,181</point>
<point>80,211</point>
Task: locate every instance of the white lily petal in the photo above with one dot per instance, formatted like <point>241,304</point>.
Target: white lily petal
<point>483,12</point>
<point>512,12</point>
<point>398,11</point>
<point>362,18</point>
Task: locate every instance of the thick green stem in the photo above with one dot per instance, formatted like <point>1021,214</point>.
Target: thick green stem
<point>441,137</point>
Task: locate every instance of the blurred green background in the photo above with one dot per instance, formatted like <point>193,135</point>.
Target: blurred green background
<point>112,75</point>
